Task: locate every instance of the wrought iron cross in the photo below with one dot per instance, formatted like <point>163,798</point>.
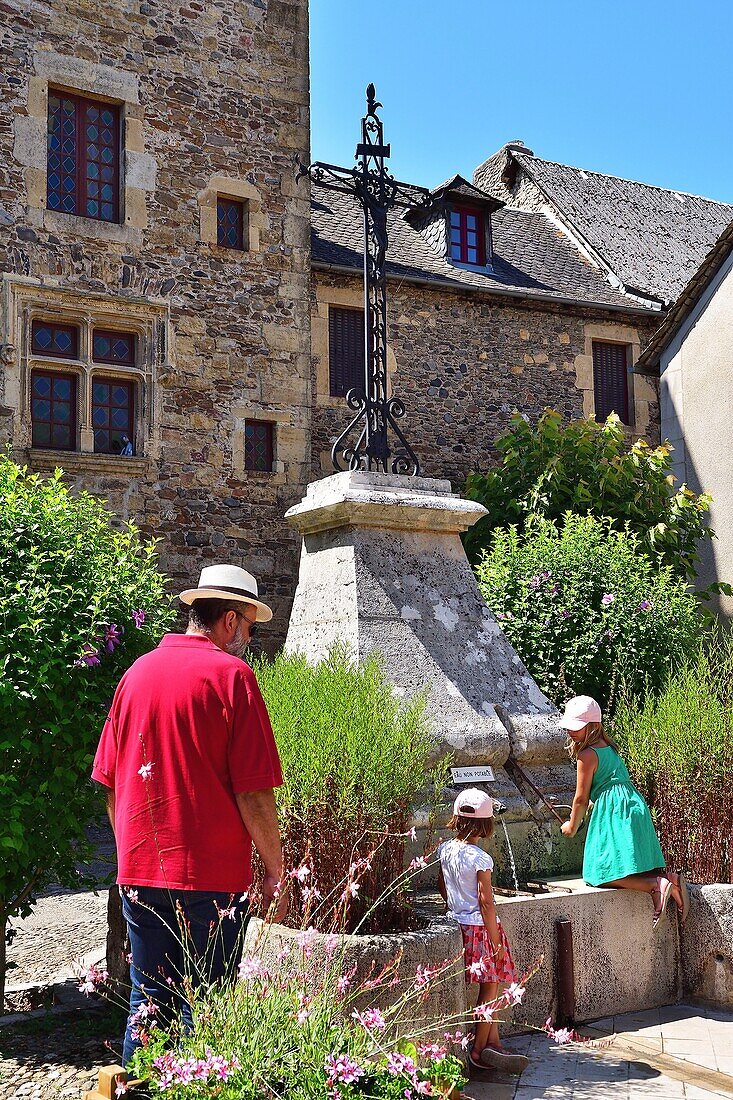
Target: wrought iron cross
<point>365,444</point>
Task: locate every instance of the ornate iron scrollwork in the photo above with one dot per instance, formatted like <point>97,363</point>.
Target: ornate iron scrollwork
<point>366,442</point>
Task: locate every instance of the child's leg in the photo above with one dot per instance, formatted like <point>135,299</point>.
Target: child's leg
<point>487,992</point>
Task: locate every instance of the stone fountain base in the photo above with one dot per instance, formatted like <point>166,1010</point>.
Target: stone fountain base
<point>383,569</point>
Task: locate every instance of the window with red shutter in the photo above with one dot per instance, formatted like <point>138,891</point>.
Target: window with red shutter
<point>611,380</point>
<point>83,157</point>
<point>467,240</point>
<point>345,350</point>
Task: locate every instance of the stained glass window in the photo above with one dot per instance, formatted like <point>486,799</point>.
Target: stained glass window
<point>467,243</point>
<point>113,347</point>
<point>83,157</point>
<point>230,223</point>
<point>59,341</point>
<point>53,410</point>
<point>112,413</point>
<point>258,445</point>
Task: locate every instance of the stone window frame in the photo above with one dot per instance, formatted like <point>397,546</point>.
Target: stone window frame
<point>26,299</point>
<point>642,394</point>
<point>236,190</point>
<point>104,83</point>
<point>284,448</point>
<point>348,298</point>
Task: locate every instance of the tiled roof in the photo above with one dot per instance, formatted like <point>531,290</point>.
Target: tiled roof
<point>532,258</point>
<point>649,359</point>
<point>651,238</point>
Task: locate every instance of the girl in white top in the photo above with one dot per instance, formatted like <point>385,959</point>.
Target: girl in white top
<point>465,883</point>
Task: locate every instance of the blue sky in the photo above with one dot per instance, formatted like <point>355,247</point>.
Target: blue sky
<point>640,89</point>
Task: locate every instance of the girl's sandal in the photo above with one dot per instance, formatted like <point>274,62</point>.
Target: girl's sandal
<point>664,889</point>
<point>684,890</point>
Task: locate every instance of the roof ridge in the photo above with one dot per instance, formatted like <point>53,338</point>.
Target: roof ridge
<point>625,179</point>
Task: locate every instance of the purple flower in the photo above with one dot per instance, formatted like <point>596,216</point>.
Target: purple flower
<point>89,657</point>
<point>645,606</point>
<point>535,582</point>
<point>608,599</point>
<point>565,614</point>
<point>138,617</point>
<point>112,636</point>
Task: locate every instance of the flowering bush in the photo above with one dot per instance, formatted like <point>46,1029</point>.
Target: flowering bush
<point>585,610</point>
<point>80,601</point>
<point>356,759</point>
<point>550,468</point>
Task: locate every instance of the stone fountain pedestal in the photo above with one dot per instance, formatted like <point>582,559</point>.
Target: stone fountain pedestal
<point>383,568</point>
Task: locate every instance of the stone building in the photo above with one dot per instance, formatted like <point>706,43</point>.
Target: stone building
<point>534,284</point>
<point>165,337</point>
<point>154,251</point>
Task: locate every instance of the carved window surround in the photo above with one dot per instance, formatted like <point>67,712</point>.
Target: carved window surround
<point>26,299</point>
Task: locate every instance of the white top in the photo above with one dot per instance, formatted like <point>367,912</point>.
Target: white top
<point>461,863</point>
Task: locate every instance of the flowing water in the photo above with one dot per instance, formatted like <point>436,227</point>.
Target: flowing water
<point>511,854</point>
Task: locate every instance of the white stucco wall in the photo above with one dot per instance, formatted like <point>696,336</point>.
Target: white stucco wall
<point>696,401</point>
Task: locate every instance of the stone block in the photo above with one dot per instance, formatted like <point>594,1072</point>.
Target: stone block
<point>707,945</point>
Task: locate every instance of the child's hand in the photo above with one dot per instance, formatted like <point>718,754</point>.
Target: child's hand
<point>566,830</point>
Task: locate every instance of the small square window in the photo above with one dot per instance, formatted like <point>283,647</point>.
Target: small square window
<point>230,219</point>
<point>113,412</point>
<point>113,347</point>
<point>53,410</point>
<point>259,449</point>
<point>51,339</point>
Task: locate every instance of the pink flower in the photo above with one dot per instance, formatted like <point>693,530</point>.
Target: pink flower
<point>343,983</point>
<point>486,1012</point>
<point>607,599</point>
<point>514,993</point>
<point>477,969</point>
<point>145,770</point>
<point>424,1088</point>
<point>352,889</point>
<point>230,913</point>
<point>562,1035</point>
<point>130,893</point>
<point>301,873</point>
<point>251,968</point>
<point>398,1064</point>
<point>431,1051</point>
<point>424,975</point>
<point>418,863</point>
<point>342,1069</point>
<point>91,978</point>
<point>138,617</point>
<point>370,1018</point>
<point>121,1088</point>
<point>305,941</point>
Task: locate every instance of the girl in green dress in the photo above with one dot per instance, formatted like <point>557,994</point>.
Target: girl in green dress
<point>621,848</point>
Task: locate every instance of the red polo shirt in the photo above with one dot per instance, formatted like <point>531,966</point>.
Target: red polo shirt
<point>193,719</point>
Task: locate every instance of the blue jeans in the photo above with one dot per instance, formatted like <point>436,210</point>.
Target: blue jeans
<point>177,935</point>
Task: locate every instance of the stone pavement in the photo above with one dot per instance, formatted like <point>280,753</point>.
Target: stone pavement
<point>681,1052</point>
<point>64,924</point>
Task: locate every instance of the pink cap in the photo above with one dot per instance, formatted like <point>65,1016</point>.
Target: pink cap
<point>473,803</point>
<point>579,711</point>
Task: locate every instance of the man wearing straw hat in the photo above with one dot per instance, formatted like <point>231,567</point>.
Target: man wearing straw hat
<point>189,762</point>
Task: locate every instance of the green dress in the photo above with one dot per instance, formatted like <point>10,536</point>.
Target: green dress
<point>621,838</point>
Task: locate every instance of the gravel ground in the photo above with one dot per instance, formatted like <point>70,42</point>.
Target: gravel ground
<point>58,1056</point>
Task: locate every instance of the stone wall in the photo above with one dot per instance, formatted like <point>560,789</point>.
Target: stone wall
<point>214,100</point>
<point>464,362</point>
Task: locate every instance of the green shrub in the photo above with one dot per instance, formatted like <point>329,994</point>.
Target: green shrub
<point>79,602</point>
<point>585,609</point>
<point>550,468</point>
<point>355,760</point>
<point>679,746</point>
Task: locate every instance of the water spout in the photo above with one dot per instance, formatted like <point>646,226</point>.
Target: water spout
<point>511,855</point>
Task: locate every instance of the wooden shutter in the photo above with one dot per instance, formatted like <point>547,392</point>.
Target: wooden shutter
<point>345,350</point>
<point>611,380</point>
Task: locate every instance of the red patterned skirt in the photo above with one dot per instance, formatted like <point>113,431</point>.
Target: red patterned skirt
<point>478,952</point>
